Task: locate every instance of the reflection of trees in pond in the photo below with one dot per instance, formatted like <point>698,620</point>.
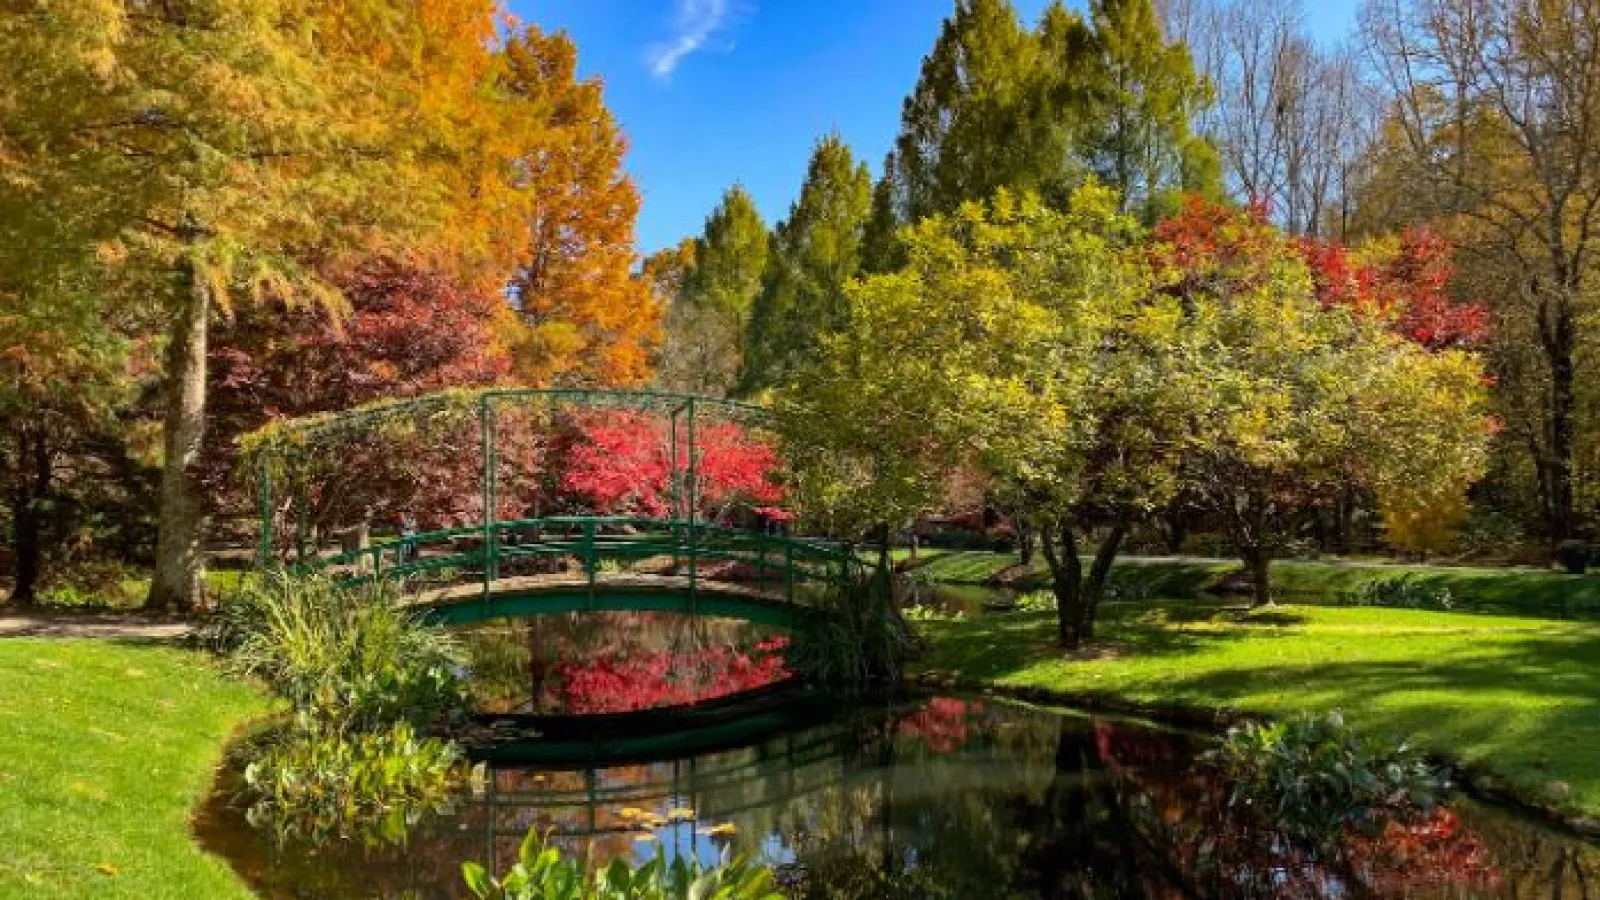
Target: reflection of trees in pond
<point>584,663</point>
<point>955,798</point>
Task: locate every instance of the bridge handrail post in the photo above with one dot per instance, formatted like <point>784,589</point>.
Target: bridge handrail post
<point>590,564</point>
<point>788,571</point>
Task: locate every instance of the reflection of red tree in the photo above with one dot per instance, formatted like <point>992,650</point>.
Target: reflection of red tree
<point>635,680</point>
<point>941,723</point>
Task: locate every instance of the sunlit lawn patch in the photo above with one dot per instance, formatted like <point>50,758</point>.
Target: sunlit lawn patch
<point>105,750</point>
<point>1518,696</point>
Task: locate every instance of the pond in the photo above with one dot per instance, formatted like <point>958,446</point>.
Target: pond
<point>903,797</point>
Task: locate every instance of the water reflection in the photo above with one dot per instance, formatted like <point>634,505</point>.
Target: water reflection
<point>946,797</point>
<point>588,663</point>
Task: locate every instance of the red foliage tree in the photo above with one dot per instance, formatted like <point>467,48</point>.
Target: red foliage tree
<point>1409,287</point>
<point>410,329</point>
<point>616,462</point>
<point>1208,244</point>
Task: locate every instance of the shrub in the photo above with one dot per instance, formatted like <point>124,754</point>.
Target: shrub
<point>543,873</point>
<point>316,786</point>
<point>365,678</point>
<point>855,640</point>
<point>1037,602</point>
<point>1404,592</point>
<point>1314,777</point>
<point>350,656</point>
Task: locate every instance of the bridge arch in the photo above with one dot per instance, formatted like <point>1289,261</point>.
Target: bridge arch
<point>490,559</point>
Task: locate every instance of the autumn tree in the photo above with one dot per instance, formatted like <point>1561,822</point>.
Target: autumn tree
<point>814,253</point>
<point>587,318</point>
<point>1491,130</point>
<point>220,147</point>
<point>1302,399</point>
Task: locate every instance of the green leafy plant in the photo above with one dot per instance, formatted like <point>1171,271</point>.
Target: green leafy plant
<point>924,613</point>
<point>1314,777</point>
<point>1037,602</point>
<point>351,656</point>
<point>543,873</point>
<point>365,679</point>
<point>1405,592</point>
<point>316,786</point>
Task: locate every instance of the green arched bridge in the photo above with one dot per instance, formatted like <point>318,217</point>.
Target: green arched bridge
<point>513,568</point>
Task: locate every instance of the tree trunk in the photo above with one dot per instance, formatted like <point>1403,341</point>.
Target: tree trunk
<point>1259,562</point>
<point>1066,581</point>
<point>1026,541</point>
<point>180,566</point>
<point>28,514</point>
<point>1557,339</point>
<point>1095,588</point>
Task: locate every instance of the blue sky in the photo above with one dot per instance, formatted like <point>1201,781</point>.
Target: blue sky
<point>716,91</point>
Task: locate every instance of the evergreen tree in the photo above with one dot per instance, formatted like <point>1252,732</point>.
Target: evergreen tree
<point>986,113</point>
<point>814,253</point>
<point>730,265</point>
<point>1143,92</point>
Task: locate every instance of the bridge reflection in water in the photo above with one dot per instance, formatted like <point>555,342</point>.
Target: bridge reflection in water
<point>942,797</point>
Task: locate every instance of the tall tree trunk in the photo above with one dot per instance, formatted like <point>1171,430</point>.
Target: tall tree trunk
<point>28,514</point>
<point>1557,338</point>
<point>180,565</point>
<point>1066,580</point>
<point>1095,587</point>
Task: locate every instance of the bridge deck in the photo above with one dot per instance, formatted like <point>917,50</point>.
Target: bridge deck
<point>470,602</point>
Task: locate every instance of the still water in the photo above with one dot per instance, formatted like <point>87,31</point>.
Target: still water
<point>916,797</point>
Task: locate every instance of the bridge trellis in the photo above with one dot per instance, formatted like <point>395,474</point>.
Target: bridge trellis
<point>490,551</point>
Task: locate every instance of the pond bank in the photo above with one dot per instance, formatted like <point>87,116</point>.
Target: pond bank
<point>1510,702</point>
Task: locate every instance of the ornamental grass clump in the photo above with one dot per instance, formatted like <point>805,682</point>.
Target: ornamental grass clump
<point>366,681</point>
<point>1314,778</point>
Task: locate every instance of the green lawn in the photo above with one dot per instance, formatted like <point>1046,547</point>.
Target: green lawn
<point>105,750</point>
<point>1494,590</point>
<point>1520,697</point>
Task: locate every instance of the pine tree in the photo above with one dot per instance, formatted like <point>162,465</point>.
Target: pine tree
<point>981,116</point>
<point>814,253</point>
<point>730,264</point>
<point>1142,92</point>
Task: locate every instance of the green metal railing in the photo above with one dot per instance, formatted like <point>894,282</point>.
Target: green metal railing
<point>699,553</point>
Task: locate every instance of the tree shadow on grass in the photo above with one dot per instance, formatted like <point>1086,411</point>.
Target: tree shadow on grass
<point>995,646</point>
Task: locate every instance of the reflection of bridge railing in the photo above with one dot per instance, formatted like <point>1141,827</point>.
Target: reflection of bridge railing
<point>566,552</point>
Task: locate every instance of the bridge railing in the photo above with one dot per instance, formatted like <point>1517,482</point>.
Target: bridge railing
<point>594,548</point>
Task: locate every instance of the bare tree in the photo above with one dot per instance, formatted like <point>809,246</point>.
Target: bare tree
<point>1495,111</point>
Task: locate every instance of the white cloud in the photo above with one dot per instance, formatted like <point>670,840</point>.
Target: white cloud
<point>698,21</point>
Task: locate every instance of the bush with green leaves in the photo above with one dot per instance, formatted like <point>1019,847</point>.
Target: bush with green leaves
<point>1314,777</point>
<point>352,656</point>
<point>315,786</point>
<point>1404,592</point>
<point>543,873</point>
<point>1037,602</point>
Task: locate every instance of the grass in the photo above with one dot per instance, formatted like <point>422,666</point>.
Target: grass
<point>1521,591</point>
<point>105,751</point>
<point>1516,696</point>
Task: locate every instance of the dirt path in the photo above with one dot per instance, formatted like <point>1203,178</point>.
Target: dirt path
<point>117,626</point>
